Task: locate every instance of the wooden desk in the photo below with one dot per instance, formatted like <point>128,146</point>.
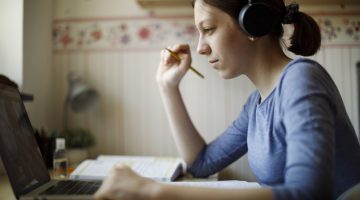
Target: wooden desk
<point>6,192</point>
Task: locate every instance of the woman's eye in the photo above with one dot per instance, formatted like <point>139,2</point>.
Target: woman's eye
<point>207,30</point>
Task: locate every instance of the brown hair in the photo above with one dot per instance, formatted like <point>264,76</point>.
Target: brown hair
<point>6,81</point>
<point>306,39</point>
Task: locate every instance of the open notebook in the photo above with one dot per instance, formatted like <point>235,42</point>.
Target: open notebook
<point>159,168</point>
<point>165,169</point>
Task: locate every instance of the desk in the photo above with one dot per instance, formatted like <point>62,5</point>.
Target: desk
<point>6,192</point>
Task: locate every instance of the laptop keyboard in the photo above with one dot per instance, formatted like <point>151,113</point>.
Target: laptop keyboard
<point>73,188</point>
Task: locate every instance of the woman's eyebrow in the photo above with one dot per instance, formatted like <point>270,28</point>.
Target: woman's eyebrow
<point>201,23</point>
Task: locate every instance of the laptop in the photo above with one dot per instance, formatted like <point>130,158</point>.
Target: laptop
<point>22,160</point>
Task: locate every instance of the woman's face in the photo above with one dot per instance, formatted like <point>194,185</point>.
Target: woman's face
<point>227,47</point>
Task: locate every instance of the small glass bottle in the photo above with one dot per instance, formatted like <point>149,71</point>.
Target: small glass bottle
<point>60,160</point>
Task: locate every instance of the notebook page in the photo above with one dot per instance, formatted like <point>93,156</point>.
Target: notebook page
<point>231,184</point>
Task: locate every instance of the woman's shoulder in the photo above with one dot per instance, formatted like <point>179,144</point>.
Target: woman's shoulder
<point>303,77</point>
<point>303,66</point>
<point>304,72</point>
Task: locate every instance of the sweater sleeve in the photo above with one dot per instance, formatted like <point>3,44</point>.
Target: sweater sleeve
<point>225,149</point>
<point>308,118</point>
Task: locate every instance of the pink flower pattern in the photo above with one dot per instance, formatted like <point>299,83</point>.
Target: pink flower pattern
<point>144,33</point>
<point>160,32</point>
<point>340,29</point>
<point>122,34</point>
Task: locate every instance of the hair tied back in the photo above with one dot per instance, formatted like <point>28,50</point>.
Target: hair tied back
<point>291,13</point>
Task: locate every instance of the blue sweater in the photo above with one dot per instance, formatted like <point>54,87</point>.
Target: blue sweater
<point>300,141</point>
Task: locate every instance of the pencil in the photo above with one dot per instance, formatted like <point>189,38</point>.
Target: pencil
<point>173,54</point>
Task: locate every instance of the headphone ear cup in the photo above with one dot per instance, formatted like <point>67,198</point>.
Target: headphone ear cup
<point>256,19</point>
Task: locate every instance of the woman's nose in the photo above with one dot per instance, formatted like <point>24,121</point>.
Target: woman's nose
<point>202,48</point>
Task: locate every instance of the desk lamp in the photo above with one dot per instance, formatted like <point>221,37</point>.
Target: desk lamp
<point>80,96</point>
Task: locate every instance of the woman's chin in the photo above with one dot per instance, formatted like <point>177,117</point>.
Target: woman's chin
<point>226,75</point>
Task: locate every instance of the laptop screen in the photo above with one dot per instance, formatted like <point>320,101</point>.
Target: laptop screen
<point>18,148</point>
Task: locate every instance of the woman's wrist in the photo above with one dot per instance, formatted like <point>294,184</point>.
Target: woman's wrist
<point>153,190</point>
<point>168,87</point>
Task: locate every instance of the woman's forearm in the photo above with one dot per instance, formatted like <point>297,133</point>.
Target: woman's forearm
<point>187,139</point>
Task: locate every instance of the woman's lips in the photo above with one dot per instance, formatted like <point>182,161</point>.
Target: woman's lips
<point>213,63</point>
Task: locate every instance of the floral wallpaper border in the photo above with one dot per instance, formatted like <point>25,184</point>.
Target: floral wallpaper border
<point>340,29</point>
<point>122,34</point>
<point>154,33</point>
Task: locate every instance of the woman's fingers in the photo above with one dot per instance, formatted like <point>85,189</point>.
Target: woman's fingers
<point>183,52</point>
<point>109,188</point>
<point>168,58</point>
<point>174,63</point>
<point>122,183</point>
<point>181,48</point>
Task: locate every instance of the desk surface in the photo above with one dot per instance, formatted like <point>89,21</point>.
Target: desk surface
<point>6,192</point>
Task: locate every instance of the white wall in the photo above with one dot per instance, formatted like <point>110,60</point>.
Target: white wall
<point>107,8</point>
<point>11,39</point>
<point>37,70</point>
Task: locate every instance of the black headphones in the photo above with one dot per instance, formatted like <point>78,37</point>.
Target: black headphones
<point>256,19</point>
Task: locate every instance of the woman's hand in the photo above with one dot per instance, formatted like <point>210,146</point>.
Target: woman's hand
<point>123,183</point>
<point>170,70</point>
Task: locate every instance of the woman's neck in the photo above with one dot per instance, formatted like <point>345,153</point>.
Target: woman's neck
<point>268,64</point>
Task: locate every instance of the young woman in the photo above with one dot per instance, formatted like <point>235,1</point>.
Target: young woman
<point>294,127</point>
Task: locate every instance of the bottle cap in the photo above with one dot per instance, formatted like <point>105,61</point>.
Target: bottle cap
<point>60,143</point>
